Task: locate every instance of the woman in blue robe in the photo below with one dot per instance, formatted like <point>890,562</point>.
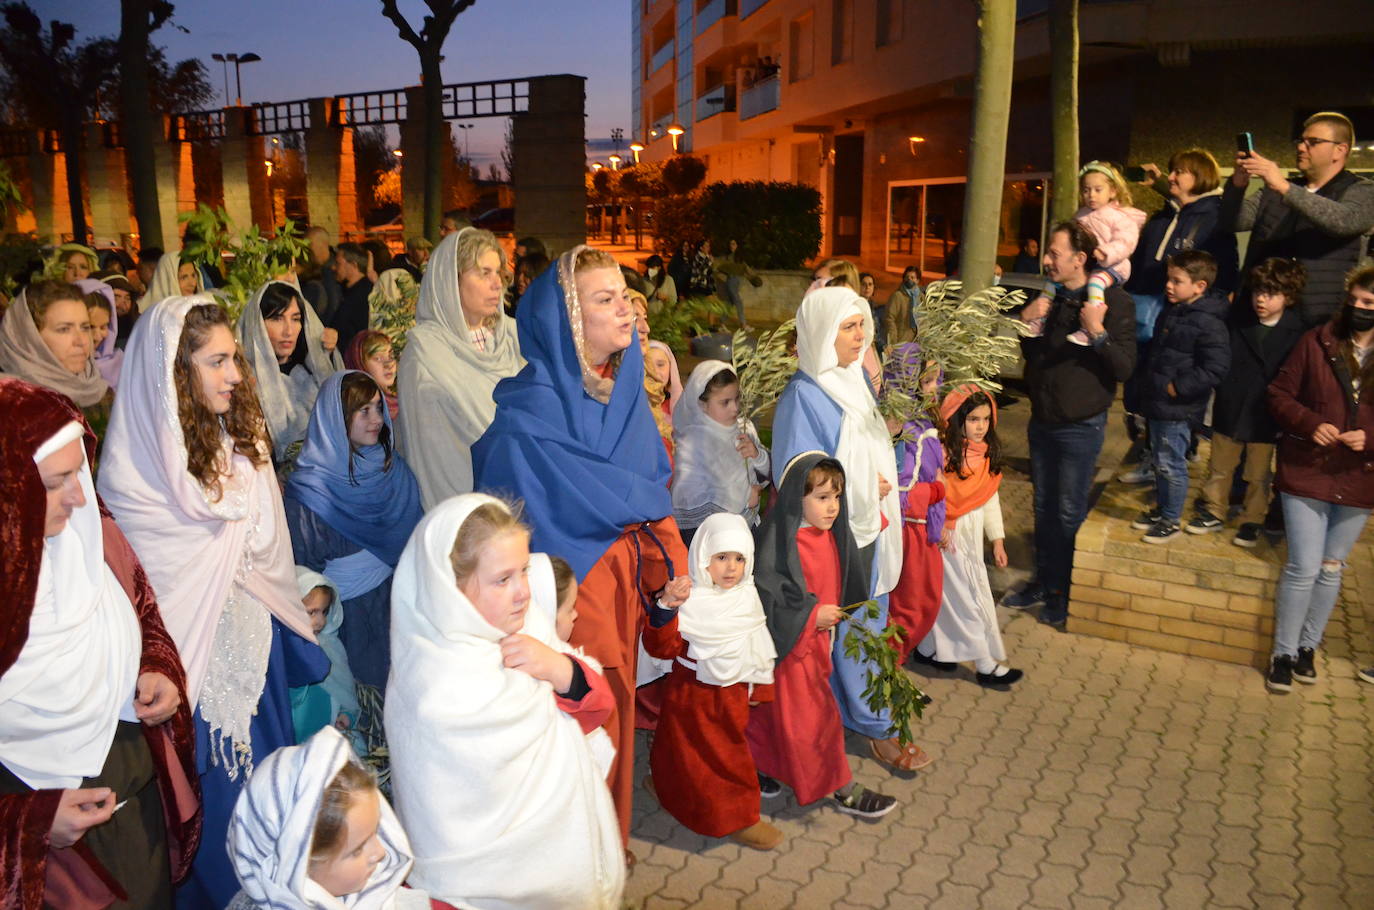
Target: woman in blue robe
<point>830,406</point>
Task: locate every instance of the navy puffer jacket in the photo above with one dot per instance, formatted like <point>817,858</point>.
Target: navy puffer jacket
<point>1173,230</point>
<point>1192,350</point>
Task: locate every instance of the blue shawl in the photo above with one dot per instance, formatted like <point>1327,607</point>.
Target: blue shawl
<point>377,508</point>
<point>585,470</point>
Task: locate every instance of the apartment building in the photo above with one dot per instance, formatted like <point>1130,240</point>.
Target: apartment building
<point>869,100</point>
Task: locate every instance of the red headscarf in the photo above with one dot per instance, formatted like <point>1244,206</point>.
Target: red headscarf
<point>976,484</point>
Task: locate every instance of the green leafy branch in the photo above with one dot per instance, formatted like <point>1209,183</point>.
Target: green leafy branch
<point>972,337</point>
<point>395,315</point>
<point>888,687</point>
<point>249,259</point>
<point>675,324</point>
<point>764,367</point>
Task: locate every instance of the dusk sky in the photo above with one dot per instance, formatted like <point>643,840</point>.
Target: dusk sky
<point>326,47</point>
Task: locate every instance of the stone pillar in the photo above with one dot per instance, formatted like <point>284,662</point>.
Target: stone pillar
<point>331,189</point>
<point>550,161</point>
<point>413,162</point>
<point>176,186</point>
<point>111,218</point>
<point>51,210</point>
<point>247,200</point>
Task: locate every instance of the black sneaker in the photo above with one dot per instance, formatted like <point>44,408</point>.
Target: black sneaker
<point>865,803</point>
<point>1204,523</point>
<point>1162,532</point>
<point>1147,519</point>
<point>1365,675</point>
<point>1280,678</point>
<point>1248,536</point>
<point>1273,527</point>
<point>1028,598</point>
<point>1305,667</point>
<point>768,787</point>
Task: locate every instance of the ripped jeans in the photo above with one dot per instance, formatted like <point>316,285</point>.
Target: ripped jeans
<point>1320,537</point>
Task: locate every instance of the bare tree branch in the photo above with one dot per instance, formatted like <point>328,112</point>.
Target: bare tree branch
<point>407,33</point>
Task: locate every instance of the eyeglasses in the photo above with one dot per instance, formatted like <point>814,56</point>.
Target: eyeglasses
<point>1313,141</point>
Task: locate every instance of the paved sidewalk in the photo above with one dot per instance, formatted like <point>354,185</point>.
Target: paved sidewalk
<point>1112,777</point>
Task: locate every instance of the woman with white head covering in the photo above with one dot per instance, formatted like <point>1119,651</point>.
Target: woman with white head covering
<point>722,662</point>
<point>45,338</point>
<point>283,341</point>
<point>503,800</point>
<point>311,831</point>
<point>93,708</point>
<point>106,356</point>
<point>199,492</point>
<point>175,276</point>
<point>462,345</point>
<point>829,406</point>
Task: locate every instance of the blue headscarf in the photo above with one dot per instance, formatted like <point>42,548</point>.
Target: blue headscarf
<point>376,508</point>
<point>584,469</point>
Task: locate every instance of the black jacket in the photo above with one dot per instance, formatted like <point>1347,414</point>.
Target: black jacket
<point>1172,230</point>
<point>1068,382</point>
<point>1241,409</point>
<point>1192,350</point>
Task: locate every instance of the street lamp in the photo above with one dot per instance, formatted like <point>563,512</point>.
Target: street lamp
<point>912,142</point>
<point>398,153</point>
<point>615,162</point>
<point>238,60</point>
<point>675,130</point>
<point>467,153</point>
<point>636,147</point>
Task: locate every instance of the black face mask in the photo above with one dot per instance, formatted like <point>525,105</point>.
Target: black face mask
<point>1360,319</point>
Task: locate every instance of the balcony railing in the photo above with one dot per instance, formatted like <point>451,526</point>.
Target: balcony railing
<point>660,57</point>
<point>659,128</point>
<point>713,12</point>
<point>761,97</point>
<point>749,7</point>
<point>721,98</point>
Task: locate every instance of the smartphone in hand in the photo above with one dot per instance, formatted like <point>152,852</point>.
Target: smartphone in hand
<point>1245,144</point>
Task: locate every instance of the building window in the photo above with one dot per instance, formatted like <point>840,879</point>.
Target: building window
<point>801,40</point>
<point>925,219</point>
<point>889,21</point>
<point>841,31</point>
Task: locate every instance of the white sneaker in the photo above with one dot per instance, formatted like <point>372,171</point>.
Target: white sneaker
<point>1141,473</point>
<point>1080,338</point>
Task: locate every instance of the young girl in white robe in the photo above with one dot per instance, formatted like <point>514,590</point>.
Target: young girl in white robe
<point>966,627</point>
<point>492,777</point>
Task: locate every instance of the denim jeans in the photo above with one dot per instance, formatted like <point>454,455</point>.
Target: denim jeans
<point>1063,461</point>
<point>1169,452</point>
<point>1318,533</point>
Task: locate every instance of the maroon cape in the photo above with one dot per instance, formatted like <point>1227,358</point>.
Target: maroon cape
<point>31,872</point>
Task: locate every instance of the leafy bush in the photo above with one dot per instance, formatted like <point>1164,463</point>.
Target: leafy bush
<point>253,257</point>
<point>777,224</point>
<point>683,174</point>
<point>677,324</point>
<point>677,220</point>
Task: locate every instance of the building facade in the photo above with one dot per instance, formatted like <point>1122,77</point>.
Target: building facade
<point>870,100</point>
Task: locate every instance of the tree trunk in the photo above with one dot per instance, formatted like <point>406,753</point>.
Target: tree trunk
<point>72,142</point>
<point>1064,108</point>
<point>434,141</point>
<point>988,142</point>
<point>137,123</point>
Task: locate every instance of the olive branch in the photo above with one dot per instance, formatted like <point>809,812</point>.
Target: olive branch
<point>764,367</point>
<point>887,687</point>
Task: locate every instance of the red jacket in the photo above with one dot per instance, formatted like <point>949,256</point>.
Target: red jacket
<point>1313,387</point>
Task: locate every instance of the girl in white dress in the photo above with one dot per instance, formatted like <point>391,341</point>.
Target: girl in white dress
<point>966,627</point>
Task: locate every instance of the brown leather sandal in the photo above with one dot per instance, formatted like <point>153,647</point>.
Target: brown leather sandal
<point>909,758</point>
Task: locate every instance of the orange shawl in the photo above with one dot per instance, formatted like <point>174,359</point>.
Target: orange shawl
<point>965,493</point>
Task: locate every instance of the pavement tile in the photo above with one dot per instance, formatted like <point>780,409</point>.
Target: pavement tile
<point>1005,892</point>
<point>1055,886</point>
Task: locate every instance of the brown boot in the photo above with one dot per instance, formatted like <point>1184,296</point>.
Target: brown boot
<point>760,836</point>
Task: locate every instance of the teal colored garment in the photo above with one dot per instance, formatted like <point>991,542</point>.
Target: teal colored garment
<point>311,710</point>
<point>316,706</point>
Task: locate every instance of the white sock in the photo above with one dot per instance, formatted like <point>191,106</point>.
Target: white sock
<point>987,665</point>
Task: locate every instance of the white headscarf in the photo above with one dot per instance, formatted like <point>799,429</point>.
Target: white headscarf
<point>446,383</point>
<point>865,448</point>
<point>62,698</point>
<point>286,400</point>
<point>165,282</point>
<point>521,816</point>
<point>107,358</point>
<point>273,825</point>
<point>25,354</point>
<point>207,559</point>
<point>707,468</point>
<point>726,632</point>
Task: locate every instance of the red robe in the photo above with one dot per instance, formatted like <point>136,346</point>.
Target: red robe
<point>592,710</point>
<point>915,601</point>
<point>703,772</point>
<point>35,875</point>
<point>798,737</point>
<point>610,614</point>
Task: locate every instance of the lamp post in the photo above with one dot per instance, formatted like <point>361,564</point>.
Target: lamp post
<point>675,130</point>
<point>615,162</point>
<point>636,147</point>
<point>238,60</point>
<point>224,61</point>
<point>467,149</point>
